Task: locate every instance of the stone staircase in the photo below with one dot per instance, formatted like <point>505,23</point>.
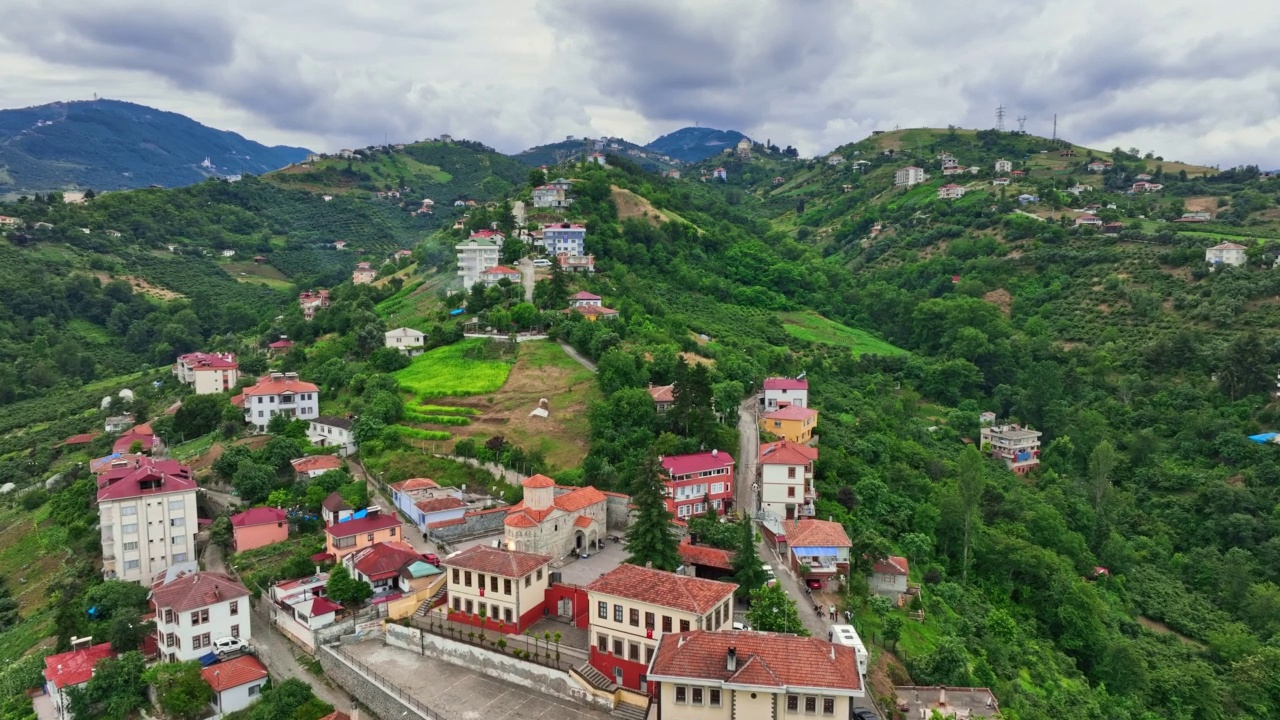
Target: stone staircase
<point>595,678</point>
<point>430,602</point>
<point>625,711</point>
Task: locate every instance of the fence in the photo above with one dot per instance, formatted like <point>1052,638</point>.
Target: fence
<point>387,685</point>
<point>537,649</point>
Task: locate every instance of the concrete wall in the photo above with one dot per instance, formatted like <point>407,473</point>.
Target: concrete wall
<point>474,524</point>
<point>498,665</point>
<point>371,695</point>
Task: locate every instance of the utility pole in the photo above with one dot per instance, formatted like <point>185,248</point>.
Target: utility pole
<point>1000,117</point>
<point>1055,127</point>
<point>1022,123</point>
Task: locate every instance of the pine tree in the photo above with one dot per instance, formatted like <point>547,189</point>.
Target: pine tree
<point>652,538</point>
<point>747,570</point>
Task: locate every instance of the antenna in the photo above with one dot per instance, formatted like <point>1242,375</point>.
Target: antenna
<point>1055,127</point>
<point>1022,123</point>
<point>1000,116</point>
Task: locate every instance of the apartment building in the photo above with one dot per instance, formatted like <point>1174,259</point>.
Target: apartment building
<point>563,237</point>
<point>477,254</point>
<point>194,609</point>
<point>786,479</point>
<point>279,393</point>
<point>207,373</point>
<point>147,517</point>
<point>364,274</point>
<point>793,422</point>
<point>779,392</point>
<point>504,587</point>
<point>1017,446</point>
<point>909,176</point>
<point>698,483</point>
<point>329,431</point>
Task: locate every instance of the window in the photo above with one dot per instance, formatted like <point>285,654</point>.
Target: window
<point>345,542</point>
<point>528,579</point>
<point>539,574</point>
<point>793,703</point>
<point>235,607</point>
<point>602,609</point>
<point>201,641</point>
<point>506,586</point>
<point>235,631</point>
<point>648,654</point>
<point>199,616</point>
<point>617,647</point>
<point>791,473</point>
<point>810,704</point>
<point>392,532</point>
<point>635,617</point>
<point>168,640</point>
<point>128,510</point>
<point>684,626</point>
<point>456,574</point>
<point>254,690</point>
<point>696,698</point>
<point>178,540</point>
<point>470,607</point>
<point>828,706</point>
<point>633,652</point>
<point>175,504</point>
<point>791,491</point>
<point>506,615</point>
<point>648,621</point>
<point>713,697</point>
<point>682,694</point>
<point>602,642</point>
<point>480,580</point>
<point>177,522</point>
<point>179,557</point>
<point>466,578</point>
<point>131,545</point>
<point>131,564</point>
<point>493,583</point>
<point>666,623</point>
<point>617,613</point>
<point>457,604</point>
<point>130,528</point>
<point>368,537</point>
<point>168,616</point>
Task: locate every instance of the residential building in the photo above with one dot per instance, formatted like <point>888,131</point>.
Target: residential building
<point>1112,228</point>
<point>334,509</point>
<point>821,546</point>
<point>118,423</point>
<point>590,307</point>
<point>835,159</point>
<point>1092,220</point>
<point>360,530</point>
<point>633,608</point>
<point>1000,181</point>
<point>1078,188</point>
<point>1019,447</point>
<point>704,561</point>
<point>576,263</point>
<point>505,587</point>
<point>695,480</point>
<point>889,577</point>
<point>1146,187</point>
<point>139,438</point>
<point>1227,253</point>
<point>1098,166</point>
<point>225,253</point>
<point>556,521</point>
<point>193,609</point>
<point>498,273</point>
<point>793,422</point>
<point>664,396</point>
<point>379,565</point>
<point>424,502</point>
<point>561,184</point>
<point>364,274</point>
<point>744,149</point>
<point>986,418</point>
<point>1004,166</point>
<point>1199,216</point>
<point>330,431</point>
<point>147,517</point>
<point>564,237</point>
<point>673,174</point>
<point>720,174</point>
<point>1027,199</point>
<point>1142,176</point>
<point>597,158</point>
<point>10,222</point>
<point>299,606</point>
<point>550,196</point>
<point>909,176</point>
<point>207,373</point>
<point>237,683</point>
<point>779,392</point>
<point>585,299</point>
<point>475,256</point>
<point>313,466</point>
<point>259,527</point>
<point>786,479</point>
<point>744,675</point>
<point>406,340</point>
<point>338,244</point>
<point>954,169</point>
<point>1018,174</point>
<point>950,191</point>
<point>310,301</point>
<point>72,669</point>
<point>279,393</point>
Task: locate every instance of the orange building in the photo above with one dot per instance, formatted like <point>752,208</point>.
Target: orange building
<point>348,536</point>
<point>259,527</point>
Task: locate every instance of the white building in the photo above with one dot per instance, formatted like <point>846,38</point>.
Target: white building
<point>71,669</point>
<point>498,273</point>
<point>779,392</point>
<point>236,683</point>
<point>846,635</point>
<point>570,238</point>
<point>364,274</point>
<point>406,340</point>
<point>194,609</point>
<point>1004,166</point>
<point>329,431</point>
<point>147,517</point>
<point>424,502</point>
<point>889,577</point>
<point>279,393</point>
<point>1227,253</point>
<point>950,191</point>
<point>1078,188</point>
<point>550,196</point>
<point>909,176</point>
<point>479,253</point>
<point>556,521</point>
<point>786,479</point>
<point>118,423</point>
<point>207,372</point>
<point>835,159</point>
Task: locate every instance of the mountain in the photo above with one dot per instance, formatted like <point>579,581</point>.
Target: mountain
<point>692,144</point>
<point>114,145</point>
<point>573,149</point>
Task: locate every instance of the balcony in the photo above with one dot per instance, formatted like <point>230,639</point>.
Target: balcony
<point>806,510</point>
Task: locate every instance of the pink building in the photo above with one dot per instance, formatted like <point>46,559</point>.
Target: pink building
<point>694,480</point>
<point>259,527</point>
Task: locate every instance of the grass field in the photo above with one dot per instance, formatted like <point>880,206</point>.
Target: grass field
<point>193,448</point>
<point>253,273</point>
<point>29,568</point>
<point>449,372</point>
<point>815,328</point>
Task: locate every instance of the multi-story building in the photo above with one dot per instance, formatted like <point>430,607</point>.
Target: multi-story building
<point>195,609</point>
<point>360,530</point>
<point>1227,253</point>
<point>569,238</point>
<point>477,254</point>
<point>329,431</point>
<point>786,479</point>
<point>664,396</point>
<point>632,608</point>
<point>498,273</point>
<point>279,393</point>
<point>817,550</point>
<point>576,263</point>
<point>550,196</point>
<point>259,527</point>
<point>1004,166</point>
<point>406,340</point>
<point>364,274</point>
<point>236,683</point>
<point>743,675</point>
<point>379,565</point>
<point>424,502</point>
<point>909,176</point>
<point>147,517</point>
<point>498,589</point>
<point>309,301</point>
<point>207,373</point>
<point>779,392</point>
<point>793,422</point>
<point>695,480</point>
<point>1019,447</point>
<point>950,191</point>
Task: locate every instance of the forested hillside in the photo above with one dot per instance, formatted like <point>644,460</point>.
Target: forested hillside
<point>692,144</point>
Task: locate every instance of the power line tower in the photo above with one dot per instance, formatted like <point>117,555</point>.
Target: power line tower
<point>1000,117</point>
<point>1055,127</point>
<point>1022,123</point>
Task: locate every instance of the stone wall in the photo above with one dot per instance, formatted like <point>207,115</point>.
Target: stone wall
<point>476,523</point>
<point>619,513</point>
<point>375,699</point>
<point>495,664</point>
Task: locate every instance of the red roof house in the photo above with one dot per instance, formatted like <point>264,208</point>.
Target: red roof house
<point>752,662</point>
<point>316,465</point>
<point>696,479</point>
<point>259,527</point>
<point>71,669</point>
<point>236,683</point>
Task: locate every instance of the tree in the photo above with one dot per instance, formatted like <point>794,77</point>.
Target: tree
<point>652,539</point>
<point>946,664</point>
<point>971,481</point>
<point>1102,461</point>
<point>199,415</point>
<point>8,607</point>
<point>537,178</point>
<point>181,691</point>
<point>278,424</point>
<point>892,629</point>
<point>127,631</point>
<point>115,691</point>
<point>253,482</point>
<point>727,396</point>
<point>291,699</point>
<point>747,570</point>
<point>280,451</point>
<point>345,589</point>
<point>1244,368</point>
<point>772,610</point>
<point>221,533</point>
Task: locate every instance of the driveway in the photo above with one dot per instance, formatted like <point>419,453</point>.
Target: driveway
<point>279,654</point>
<point>582,360</point>
<point>748,454</point>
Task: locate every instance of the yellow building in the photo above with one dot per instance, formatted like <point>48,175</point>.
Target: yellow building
<point>507,588</point>
<point>793,422</point>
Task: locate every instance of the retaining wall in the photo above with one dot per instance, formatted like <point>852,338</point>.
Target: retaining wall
<point>372,697</point>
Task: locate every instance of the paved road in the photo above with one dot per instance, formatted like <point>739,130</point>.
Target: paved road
<point>582,360</point>
<point>279,654</point>
<point>526,273</point>
<point>748,454</point>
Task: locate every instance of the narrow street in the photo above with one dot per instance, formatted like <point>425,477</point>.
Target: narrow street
<point>748,454</point>
<point>582,360</point>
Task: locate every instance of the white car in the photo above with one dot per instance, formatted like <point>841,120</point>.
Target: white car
<point>227,645</point>
<point>542,262</point>
<point>768,570</point>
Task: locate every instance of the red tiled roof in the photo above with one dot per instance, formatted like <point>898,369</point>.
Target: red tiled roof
<point>259,516</point>
<point>415,484</point>
<point>316,462</point>
<point>658,587</point>
<point>815,533</point>
<point>791,412</point>
<point>782,383</point>
<point>663,393</point>
<point>589,310</point>
<point>237,400</point>
<point>785,452</point>
<point>81,439</point>
<point>146,477</point>
<point>439,504</point>
<point>365,524</point>
<point>584,295</point>
<point>892,565</point>
<point>447,523</point>
<point>334,502</point>
<point>579,498</point>
<point>706,555</point>
<point>336,716</point>
<point>277,386</point>
<point>538,481</point>
<point>677,465</point>
<point>233,673</point>
<point>196,590</point>
<point>500,270</point>
<point>74,667</point>
<point>1228,246</point>
<point>769,660</point>
<point>583,521</point>
<point>322,606</point>
<point>126,441</point>
<point>506,563</point>
<point>520,520</point>
<point>281,344</point>
<point>209,361</point>
<point>384,559</point>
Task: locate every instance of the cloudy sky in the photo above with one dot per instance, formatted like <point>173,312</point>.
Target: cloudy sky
<point>1193,81</point>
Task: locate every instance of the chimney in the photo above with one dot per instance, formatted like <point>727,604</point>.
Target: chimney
<point>942,695</point>
<point>649,564</point>
<point>731,661</point>
<point>217,592</point>
<point>715,452</point>
<point>373,511</point>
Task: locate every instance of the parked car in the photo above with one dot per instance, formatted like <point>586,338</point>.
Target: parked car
<point>228,645</point>
<point>432,558</point>
<point>864,714</point>
<point>740,626</point>
<point>542,262</point>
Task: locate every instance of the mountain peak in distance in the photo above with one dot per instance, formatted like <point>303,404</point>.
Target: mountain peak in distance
<point>692,144</point>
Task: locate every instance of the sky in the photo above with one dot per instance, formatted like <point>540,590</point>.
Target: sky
<point>1191,81</point>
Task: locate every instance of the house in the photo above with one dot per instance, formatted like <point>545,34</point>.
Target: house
<point>1092,220</point>
<point>743,149</point>
<point>597,158</point>
<point>947,702</point>
<point>564,237</point>
<point>590,307</point>
<point>1227,253</point>
<point>498,273</point>
<point>364,274</point>
<point>1028,199</point>
<point>313,466</point>
<point>793,422</point>
<point>664,396</point>
<point>48,226</point>
<point>72,669</point>
<point>950,191</point>
<point>889,576</point>
<point>1113,228</point>
<point>346,154</point>
<point>576,263</point>
<point>1004,166</point>
<point>360,530</point>
<point>835,159</point>
<point>1098,166</point>
<point>1201,216</point>
<point>778,179</point>
<point>585,299</point>
<point>633,608</point>
<point>1078,188</point>
<point>743,674</point>
<point>499,589</point>
<point>402,254</point>
<point>946,158</point>
<point>280,393</point>
<point>1067,153</point>
<point>10,222</point>
<point>313,158</point>
<point>259,527</point>
<point>379,565</point>
<point>140,436</point>
<point>299,607</point>
<point>193,609</point>
<point>339,244</point>
<point>1018,174</point>
<point>953,169</point>
<point>237,683</point>
<point>1142,176</point>
<point>334,509</point>
<point>1019,447</point>
<point>225,253</point>
<point>720,174</point>
<point>280,347</point>
<point>406,340</point>
<point>1000,181</point>
<point>673,174</point>
<point>143,510</point>
<point>327,198</point>
<point>207,372</point>
<point>973,169</point>
<point>779,392</point>
<point>550,196</point>
<point>310,301</point>
<point>704,561</point>
<point>118,423</point>
<point>1146,187</point>
<point>909,176</point>
<point>556,521</point>
<point>785,477</point>
<point>986,418</point>
<point>817,551</point>
<point>477,254</point>
<point>424,502</point>
<point>693,481</point>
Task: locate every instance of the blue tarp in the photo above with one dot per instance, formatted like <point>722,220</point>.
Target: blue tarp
<point>457,312</point>
<point>207,660</point>
<point>1263,438</point>
<point>817,551</point>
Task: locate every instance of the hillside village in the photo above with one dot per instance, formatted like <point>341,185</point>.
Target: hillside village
<point>622,437</point>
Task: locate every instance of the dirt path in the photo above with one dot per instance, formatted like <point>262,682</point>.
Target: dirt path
<point>526,275</point>
<point>582,360</point>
